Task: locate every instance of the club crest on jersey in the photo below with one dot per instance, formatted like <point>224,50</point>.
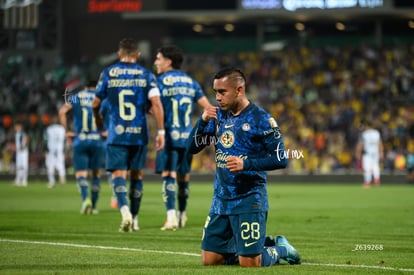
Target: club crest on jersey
<point>273,122</point>
<point>227,139</point>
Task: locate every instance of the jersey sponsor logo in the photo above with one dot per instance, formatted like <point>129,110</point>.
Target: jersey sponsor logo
<point>221,156</point>
<point>175,135</point>
<point>228,126</point>
<point>133,130</point>
<point>115,72</point>
<point>171,80</point>
<point>227,139</point>
<point>119,130</point>
<point>276,132</point>
<point>246,244</point>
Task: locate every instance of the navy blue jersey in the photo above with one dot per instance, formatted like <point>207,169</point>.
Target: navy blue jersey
<point>126,87</point>
<point>83,119</point>
<point>179,93</point>
<point>254,136</point>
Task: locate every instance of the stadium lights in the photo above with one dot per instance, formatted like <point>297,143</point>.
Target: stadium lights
<point>300,27</point>
<point>229,27</point>
<point>340,26</point>
<point>198,28</point>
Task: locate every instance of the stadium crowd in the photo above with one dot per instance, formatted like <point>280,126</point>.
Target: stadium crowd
<point>320,97</point>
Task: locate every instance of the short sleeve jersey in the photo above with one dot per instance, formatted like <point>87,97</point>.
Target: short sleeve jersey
<point>83,121</point>
<point>126,87</point>
<point>179,93</point>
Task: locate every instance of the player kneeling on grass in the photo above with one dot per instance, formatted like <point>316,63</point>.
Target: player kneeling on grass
<point>247,142</point>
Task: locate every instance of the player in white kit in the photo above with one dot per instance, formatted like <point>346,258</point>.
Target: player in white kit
<point>22,155</point>
<point>55,146</point>
<point>370,152</point>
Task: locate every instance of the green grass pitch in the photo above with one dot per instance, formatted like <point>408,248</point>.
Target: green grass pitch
<point>337,228</point>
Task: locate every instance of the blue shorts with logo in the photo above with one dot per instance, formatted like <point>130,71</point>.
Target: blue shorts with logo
<point>88,156</point>
<point>125,157</point>
<point>242,234</point>
<point>173,159</point>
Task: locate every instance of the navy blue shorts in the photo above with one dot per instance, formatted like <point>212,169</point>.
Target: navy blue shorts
<point>243,234</point>
<point>88,156</point>
<point>174,159</point>
<point>125,157</point>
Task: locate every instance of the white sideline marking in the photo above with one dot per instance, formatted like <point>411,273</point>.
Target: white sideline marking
<point>192,254</point>
<point>101,247</point>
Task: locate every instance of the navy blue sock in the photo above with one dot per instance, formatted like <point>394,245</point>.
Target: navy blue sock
<point>282,251</point>
<point>183,191</point>
<point>169,192</point>
<point>96,187</point>
<point>120,190</point>
<point>83,187</point>
<point>272,254</point>
<point>135,196</point>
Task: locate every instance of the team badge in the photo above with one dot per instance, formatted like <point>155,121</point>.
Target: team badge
<point>227,139</point>
<point>246,127</point>
<point>119,129</point>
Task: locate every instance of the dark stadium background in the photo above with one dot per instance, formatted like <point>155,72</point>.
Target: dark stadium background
<point>84,34</point>
<point>74,29</point>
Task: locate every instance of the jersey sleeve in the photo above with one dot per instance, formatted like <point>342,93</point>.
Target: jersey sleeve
<point>199,92</point>
<point>101,91</point>
<point>201,136</point>
<point>274,145</point>
<point>153,89</point>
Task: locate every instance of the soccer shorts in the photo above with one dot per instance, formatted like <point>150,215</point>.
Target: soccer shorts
<point>243,234</point>
<point>88,156</point>
<point>125,157</point>
<point>174,159</point>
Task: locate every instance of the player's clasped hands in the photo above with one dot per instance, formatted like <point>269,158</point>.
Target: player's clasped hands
<point>210,112</point>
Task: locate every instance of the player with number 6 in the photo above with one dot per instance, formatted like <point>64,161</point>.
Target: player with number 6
<point>130,89</point>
